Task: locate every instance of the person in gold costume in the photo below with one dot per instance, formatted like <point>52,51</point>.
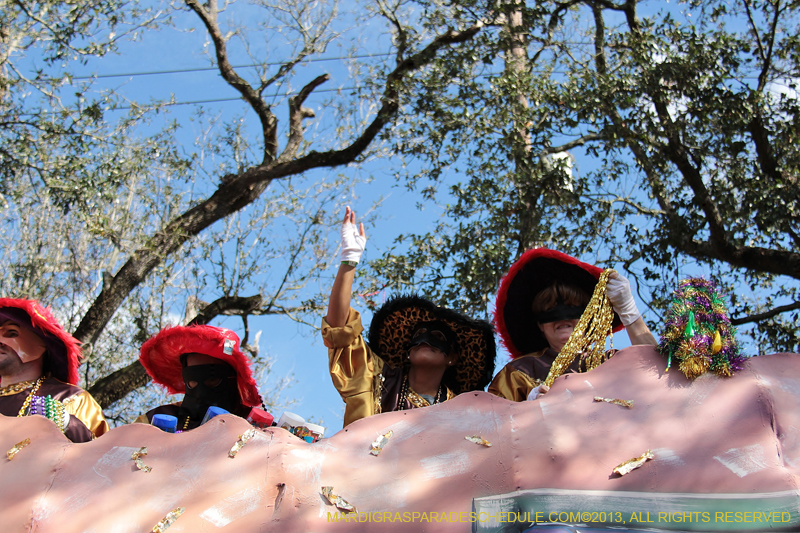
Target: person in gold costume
<point>418,354</point>
<point>39,371</point>
<point>538,306</point>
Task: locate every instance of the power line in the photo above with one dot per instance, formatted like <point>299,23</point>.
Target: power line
<point>246,65</point>
<point>205,69</point>
<point>207,101</point>
<point>233,99</point>
<point>276,95</point>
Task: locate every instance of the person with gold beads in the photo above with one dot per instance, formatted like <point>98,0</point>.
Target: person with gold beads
<point>417,354</point>
<point>39,371</point>
<point>546,297</point>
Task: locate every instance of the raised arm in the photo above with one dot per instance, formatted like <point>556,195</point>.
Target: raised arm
<point>619,293</point>
<point>354,241</point>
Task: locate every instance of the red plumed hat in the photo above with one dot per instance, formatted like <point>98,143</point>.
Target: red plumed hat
<point>63,350</point>
<point>536,270</point>
<point>161,357</point>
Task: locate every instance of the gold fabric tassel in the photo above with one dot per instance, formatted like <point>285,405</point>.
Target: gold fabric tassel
<point>588,339</point>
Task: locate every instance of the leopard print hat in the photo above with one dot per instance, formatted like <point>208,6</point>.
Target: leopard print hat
<point>394,323</point>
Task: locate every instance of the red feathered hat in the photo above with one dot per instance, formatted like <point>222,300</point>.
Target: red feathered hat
<point>161,357</point>
<point>63,350</point>
<point>536,270</point>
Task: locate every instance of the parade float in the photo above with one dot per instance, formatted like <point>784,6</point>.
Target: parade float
<point>686,436</point>
<point>721,454</point>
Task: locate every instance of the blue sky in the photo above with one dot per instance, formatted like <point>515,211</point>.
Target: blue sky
<point>171,64</point>
<point>167,64</point>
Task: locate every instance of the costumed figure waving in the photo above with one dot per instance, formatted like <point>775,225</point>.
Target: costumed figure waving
<point>206,365</point>
<point>553,314</point>
<point>39,371</point>
<point>419,354</point>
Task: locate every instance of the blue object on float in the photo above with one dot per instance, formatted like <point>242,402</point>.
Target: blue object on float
<point>166,423</point>
<point>212,412</point>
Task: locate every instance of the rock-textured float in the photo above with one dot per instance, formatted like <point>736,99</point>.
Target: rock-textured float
<point>721,447</point>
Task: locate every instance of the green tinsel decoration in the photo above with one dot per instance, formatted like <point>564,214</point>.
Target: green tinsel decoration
<point>698,333</point>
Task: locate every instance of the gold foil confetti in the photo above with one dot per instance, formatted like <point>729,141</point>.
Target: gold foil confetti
<point>168,520</point>
<point>633,464</point>
<point>17,447</point>
<point>337,501</point>
<point>243,438</point>
<point>137,458</point>
<point>477,439</point>
<point>380,442</point>
<point>623,403</point>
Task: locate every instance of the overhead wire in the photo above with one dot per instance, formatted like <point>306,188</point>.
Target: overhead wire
<point>205,69</point>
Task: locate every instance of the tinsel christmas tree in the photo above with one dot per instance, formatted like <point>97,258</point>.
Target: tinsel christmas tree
<point>698,335</point>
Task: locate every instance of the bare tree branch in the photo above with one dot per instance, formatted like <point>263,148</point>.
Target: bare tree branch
<point>765,315</point>
<point>402,35</point>
<point>228,305</point>
<point>292,262</point>
<point>753,257</point>
<point>764,151</point>
<point>580,141</point>
<point>296,115</point>
<point>269,123</point>
<point>239,191</point>
<point>120,383</point>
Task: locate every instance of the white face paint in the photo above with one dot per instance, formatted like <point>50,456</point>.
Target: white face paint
<point>19,341</point>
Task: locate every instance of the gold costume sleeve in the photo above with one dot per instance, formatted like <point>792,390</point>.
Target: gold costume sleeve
<point>512,384</point>
<point>88,411</point>
<point>354,368</point>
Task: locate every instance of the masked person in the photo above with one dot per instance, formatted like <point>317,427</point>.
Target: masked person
<point>39,371</point>
<point>418,354</point>
<point>539,303</point>
<point>206,365</point>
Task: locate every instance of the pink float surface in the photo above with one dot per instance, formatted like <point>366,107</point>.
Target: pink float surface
<point>720,445</point>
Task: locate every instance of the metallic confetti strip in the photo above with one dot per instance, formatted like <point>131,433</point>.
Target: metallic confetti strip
<point>168,520</point>
<point>337,501</point>
<point>380,442</point>
<point>243,438</point>
<point>17,447</point>
<point>623,403</point>
<point>137,458</point>
<point>477,439</point>
<point>633,464</point>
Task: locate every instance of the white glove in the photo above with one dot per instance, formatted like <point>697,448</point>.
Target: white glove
<point>537,391</point>
<point>619,294</point>
<point>353,243</point>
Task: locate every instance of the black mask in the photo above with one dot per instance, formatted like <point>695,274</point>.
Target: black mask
<point>213,385</point>
<point>436,335</point>
<point>560,312</point>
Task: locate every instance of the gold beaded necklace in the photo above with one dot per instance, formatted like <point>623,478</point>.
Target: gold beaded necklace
<point>406,393</point>
<point>588,339</point>
<point>16,387</point>
<point>33,392</point>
